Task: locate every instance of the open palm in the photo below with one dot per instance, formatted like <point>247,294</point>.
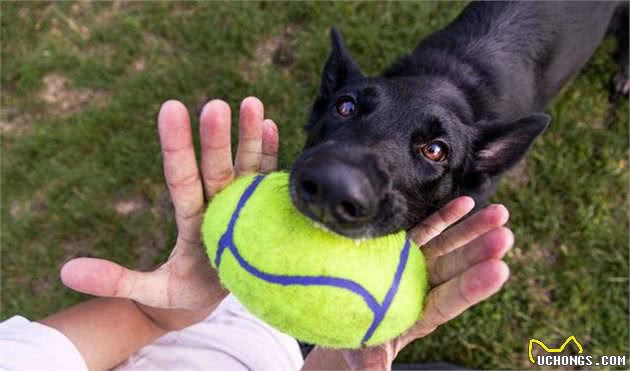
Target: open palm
<point>186,288</point>
<point>465,268</point>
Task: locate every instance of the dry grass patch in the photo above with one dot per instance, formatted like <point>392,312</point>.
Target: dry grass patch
<point>277,50</point>
<point>131,205</point>
<point>518,176</point>
<point>64,100</point>
<point>13,122</point>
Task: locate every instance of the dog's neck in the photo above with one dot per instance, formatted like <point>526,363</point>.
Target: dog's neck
<point>475,86</point>
<point>509,59</point>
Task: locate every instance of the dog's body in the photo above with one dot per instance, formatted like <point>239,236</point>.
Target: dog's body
<point>447,120</point>
<point>509,59</point>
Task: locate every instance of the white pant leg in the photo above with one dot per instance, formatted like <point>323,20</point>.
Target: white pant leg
<point>230,339</point>
<point>26,345</point>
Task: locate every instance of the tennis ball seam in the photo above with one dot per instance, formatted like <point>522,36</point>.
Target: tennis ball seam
<point>379,310</point>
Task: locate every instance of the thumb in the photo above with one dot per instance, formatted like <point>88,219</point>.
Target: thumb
<point>103,278</point>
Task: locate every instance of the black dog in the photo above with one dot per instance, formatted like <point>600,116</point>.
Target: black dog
<point>447,120</point>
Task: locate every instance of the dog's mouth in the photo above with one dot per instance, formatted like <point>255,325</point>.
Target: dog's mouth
<point>347,190</point>
<point>389,217</point>
<point>355,231</point>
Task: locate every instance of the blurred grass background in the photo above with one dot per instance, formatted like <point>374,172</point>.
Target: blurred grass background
<point>81,167</point>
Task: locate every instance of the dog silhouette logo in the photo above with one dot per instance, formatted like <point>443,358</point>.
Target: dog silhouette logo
<point>553,350</point>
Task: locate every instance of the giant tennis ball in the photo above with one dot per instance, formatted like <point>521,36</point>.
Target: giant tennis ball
<point>314,285</point>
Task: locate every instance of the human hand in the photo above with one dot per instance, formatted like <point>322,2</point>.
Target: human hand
<point>465,268</point>
<point>186,289</point>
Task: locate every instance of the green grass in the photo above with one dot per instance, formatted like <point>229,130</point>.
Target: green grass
<point>64,169</point>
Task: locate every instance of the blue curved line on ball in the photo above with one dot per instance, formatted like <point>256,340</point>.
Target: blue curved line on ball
<point>389,297</point>
<point>379,310</point>
<point>227,239</point>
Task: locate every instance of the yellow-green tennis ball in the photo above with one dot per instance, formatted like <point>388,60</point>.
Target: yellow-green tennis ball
<point>314,285</point>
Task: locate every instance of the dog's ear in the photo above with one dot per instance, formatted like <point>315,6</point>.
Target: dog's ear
<point>340,66</point>
<point>499,145</point>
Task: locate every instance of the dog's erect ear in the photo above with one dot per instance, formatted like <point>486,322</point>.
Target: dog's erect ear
<point>499,146</point>
<point>340,66</point>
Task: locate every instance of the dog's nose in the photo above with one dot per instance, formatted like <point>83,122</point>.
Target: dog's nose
<point>336,193</point>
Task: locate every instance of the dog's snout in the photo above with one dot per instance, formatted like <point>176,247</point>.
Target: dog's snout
<point>336,193</point>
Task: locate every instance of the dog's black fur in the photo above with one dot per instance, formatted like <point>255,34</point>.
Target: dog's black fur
<point>477,87</point>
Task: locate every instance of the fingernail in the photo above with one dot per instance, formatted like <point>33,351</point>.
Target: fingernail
<point>270,124</point>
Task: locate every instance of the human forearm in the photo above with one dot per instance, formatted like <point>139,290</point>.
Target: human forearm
<point>324,359</point>
<point>106,331</point>
<point>365,359</point>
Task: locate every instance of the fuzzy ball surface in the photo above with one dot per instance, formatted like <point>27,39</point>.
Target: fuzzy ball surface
<point>314,285</point>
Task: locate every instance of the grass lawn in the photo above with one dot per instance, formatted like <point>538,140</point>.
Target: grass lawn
<point>81,166</point>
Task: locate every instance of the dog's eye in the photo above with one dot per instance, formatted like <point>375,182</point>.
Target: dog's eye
<point>346,106</point>
<point>435,151</point>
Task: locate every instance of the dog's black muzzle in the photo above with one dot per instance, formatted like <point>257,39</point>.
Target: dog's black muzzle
<point>343,188</point>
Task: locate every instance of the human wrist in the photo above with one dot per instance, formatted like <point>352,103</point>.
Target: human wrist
<point>370,359</point>
<point>325,359</point>
<point>176,319</point>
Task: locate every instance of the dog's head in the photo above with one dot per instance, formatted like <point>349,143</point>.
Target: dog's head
<point>384,153</point>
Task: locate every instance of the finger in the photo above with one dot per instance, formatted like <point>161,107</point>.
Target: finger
<point>483,221</point>
<point>180,168</point>
<point>249,152</point>
<point>450,299</point>
<point>103,278</point>
<point>492,245</point>
<point>269,161</point>
<point>441,219</point>
<point>216,153</point>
